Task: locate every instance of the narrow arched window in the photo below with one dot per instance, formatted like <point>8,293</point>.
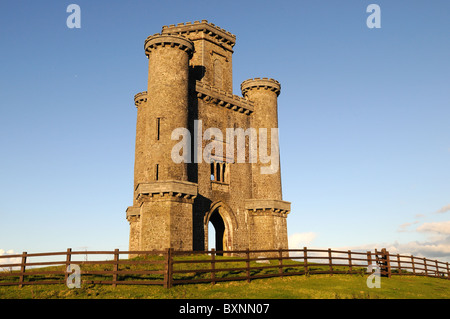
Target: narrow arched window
<point>218,166</point>
<point>219,172</point>
<point>212,171</point>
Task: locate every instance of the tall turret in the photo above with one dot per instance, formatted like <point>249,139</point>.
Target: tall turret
<point>161,215</point>
<point>167,107</point>
<point>267,210</point>
<point>264,93</point>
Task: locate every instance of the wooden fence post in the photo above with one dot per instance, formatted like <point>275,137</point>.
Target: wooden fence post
<point>413,266</point>
<point>385,263</point>
<point>305,260</point>
<point>115,267</point>
<point>437,268</point>
<point>213,266</point>
<point>425,266</point>
<point>168,268</point>
<point>388,262</point>
<point>448,272</point>
<point>330,261</point>
<point>399,264</point>
<point>369,258</point>
<point>377,262</point>
<point>68,259</point>
<point>247,262</point>
<point>22,269</point>
<point>280,262</point>
<point>350,268</point>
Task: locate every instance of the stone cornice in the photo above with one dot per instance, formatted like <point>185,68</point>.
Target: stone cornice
<point>176,189</point>
<point>222,98</point>
<point>261,83</point>
<point>133,212</point>
<point>217,34</point>
<point>156,40</point>
<point>278,207</point>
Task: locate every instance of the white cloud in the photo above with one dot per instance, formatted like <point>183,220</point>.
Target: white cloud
<point>432,250</point>
<point>439,249</point>
<point>9,252</point>
<point>443,209</point>
<point>11,260</point>
<point>435,246</point>
<point>403,227</point>
<point>441,228</point>
<point>300,240</point>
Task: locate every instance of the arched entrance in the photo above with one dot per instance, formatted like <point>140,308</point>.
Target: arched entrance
<point>219,232</point>
<point>224,223</point>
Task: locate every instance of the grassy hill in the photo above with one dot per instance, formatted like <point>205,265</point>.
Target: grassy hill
<point>298,287</point>
<point>316,286</point>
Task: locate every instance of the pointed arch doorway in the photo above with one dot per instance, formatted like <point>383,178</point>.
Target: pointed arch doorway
<point>221,221</point>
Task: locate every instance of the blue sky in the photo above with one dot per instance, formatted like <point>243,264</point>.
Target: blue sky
<point>364,117</point>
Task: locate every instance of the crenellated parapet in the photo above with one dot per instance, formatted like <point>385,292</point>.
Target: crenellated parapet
<point>260,83</point>
<point>158,40</point>
<point>224,99</point>
<point>203,29</point>
<point>140,98</point>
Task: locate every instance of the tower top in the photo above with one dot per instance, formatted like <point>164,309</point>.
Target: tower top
<point>210,29</point>
<point>265,83</point>
<point>156,40</point>
<point>140,98</point>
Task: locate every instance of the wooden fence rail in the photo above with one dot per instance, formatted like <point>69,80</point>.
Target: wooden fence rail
<point>169,267</point>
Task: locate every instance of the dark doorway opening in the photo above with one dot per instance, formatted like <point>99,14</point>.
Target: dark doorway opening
<point>219,232</point>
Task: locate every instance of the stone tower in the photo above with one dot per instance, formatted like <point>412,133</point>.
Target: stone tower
<point>190,87</point>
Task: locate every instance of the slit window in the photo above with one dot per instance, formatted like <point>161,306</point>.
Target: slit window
<point>158,128</point>
<point>157,172</point>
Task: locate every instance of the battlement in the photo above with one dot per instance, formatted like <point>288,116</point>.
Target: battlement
<point>221,35</point>
<point>153,41</point>
<point>264,83</point>
<point>140,98</point>
<point>222,98</point>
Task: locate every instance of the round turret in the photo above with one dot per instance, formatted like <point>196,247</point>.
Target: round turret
<point>154,41</point>
<point>140,98</point>
<point>166,107</point>
<point>263,92</point>
<point>260,83</point>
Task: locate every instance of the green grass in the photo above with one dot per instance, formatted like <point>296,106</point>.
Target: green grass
<point>315,286</point>
<point>298,287</point>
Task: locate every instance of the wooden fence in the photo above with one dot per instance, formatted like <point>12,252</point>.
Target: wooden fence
<point>169,267</point>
